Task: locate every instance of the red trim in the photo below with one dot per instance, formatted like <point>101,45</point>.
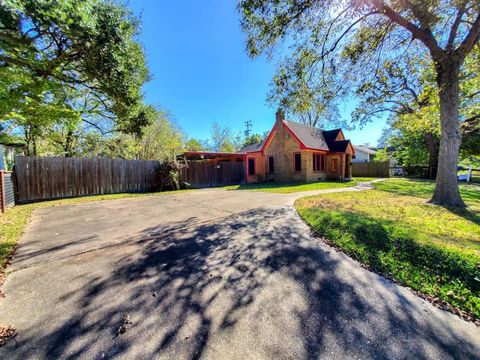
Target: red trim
<point>268,139</point>
<point>212,153</point>
<point>293,159</point>
<point>340,132</point>
<point>352,148</point>
<point>317,151</point>
<point>302,145</point>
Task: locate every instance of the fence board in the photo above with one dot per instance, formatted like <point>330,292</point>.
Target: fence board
<point>54,177</point>
<point>205,174</point>
<point>371,169</point>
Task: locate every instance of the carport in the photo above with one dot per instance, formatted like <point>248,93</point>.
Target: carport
<point>208,169</point>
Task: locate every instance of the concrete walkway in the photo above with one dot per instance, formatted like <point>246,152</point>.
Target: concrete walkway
<point>211,274</point>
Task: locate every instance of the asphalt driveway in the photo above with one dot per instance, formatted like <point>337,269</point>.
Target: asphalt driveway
<point>211,274</point>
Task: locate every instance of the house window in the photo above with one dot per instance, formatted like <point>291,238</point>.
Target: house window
<point>334,165</point>
<point>251,166</point>
<point>318,162</point>
<point>297,162</point>
<point>271,168</point>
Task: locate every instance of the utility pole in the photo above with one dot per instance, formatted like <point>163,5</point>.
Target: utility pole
<point>248,127</point>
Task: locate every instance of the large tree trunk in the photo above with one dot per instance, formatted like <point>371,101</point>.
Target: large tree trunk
<point>446,190</point>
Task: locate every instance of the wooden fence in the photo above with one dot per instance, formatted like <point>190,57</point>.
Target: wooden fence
<point>43,178</point>
<point>204,174</point>
<point>371,169</point>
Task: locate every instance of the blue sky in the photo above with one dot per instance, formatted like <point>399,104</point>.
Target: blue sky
<point>201,72</point>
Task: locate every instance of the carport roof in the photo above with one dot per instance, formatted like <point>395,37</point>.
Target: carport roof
<point>202,155</point>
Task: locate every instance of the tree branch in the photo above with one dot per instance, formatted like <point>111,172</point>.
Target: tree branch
<point>423,35</point>
<point>456,24</point>
<point>471,39</point>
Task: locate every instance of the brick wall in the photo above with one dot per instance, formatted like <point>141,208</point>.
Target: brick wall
<point>282,148</point>
<point>339,173</point>
<point>312,176</point>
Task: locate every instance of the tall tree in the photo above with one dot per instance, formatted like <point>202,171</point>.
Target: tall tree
<point>161,140</point>
<point>71,59</point>
<point>415,119</point>
<point>220,137</point>
<point>352,39</point>
<point>312,101</point>
<point>194,145</point>
<point>251,139</point>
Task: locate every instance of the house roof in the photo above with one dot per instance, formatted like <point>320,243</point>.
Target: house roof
<point>200,155</point>
<point>364,149</point>
<point>339,146</point>
<point>309,136</point>
<point>252,147</point>
<point>331,135</point>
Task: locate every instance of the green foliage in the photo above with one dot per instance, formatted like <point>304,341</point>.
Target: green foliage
<point>392,230</point>
<point>63,64</point>
<point>194,145</point>
<point>220,137</point>
<point>160,140</point>
<point>417,114</point>
<point>381,155</point>
<point>369,50</point>
<point>252,139</point>
<point>168,175</point>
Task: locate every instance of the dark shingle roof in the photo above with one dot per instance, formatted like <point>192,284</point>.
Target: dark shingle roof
<point>330,135</point>
<point>252,147</point>
<point>311,137</point>
<point>339,146</point>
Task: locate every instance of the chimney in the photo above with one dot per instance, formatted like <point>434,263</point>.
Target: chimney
<point>279,116</point>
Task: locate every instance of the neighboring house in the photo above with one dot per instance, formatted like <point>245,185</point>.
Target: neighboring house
<point>292,152</point>
<point>7,154</point>
<point>363,154</point>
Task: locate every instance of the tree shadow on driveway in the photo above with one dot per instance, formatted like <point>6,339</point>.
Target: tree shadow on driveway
<point>254,284</point>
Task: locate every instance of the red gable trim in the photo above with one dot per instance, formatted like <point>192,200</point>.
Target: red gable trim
<point>351,148</point>
<point>340,136</point>
<point>268,140</point>
<point>302,145</point>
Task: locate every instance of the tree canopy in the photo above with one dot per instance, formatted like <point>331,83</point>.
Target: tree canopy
<point>71,62</point>
<point>348,48</point>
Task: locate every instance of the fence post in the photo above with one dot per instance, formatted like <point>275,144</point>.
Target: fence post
<point>2,187</point>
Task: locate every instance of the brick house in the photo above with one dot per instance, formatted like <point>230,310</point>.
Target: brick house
<point>295,152</point>
<point>292,152</point>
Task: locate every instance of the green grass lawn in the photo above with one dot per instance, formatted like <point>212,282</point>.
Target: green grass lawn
<point>287,188</point>
<point>394,231</point>
<point>15,220</point>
